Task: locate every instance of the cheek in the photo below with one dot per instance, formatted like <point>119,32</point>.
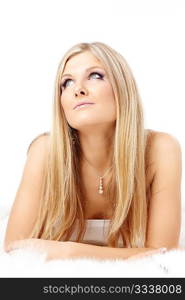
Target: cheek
<point>106,99</point>
<point>108,95</point>
<point>64,107</point>
<point>64,103</point>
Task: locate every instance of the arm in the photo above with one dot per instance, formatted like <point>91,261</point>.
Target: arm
<point>68,250</point>
<point>26,203</point>
<point>164,220</point>
<point>102,252</point>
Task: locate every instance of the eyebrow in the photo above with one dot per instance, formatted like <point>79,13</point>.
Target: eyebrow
<point>64,75</point>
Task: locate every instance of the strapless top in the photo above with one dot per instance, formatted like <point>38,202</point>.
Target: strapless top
<point>96,233</point>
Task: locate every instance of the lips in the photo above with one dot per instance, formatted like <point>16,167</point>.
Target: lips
<point>81,103</point>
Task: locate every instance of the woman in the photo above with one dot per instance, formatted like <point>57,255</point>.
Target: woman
<point>98,167</point>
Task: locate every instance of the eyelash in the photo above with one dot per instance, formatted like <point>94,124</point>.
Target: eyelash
<point>64,83</point>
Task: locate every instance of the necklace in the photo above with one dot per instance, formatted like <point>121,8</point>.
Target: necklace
<point>100,188</point>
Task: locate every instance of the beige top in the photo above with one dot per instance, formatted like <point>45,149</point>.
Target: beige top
<point>96,233</point>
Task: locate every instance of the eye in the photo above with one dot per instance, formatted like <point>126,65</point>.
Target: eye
<point>63,85</point>
<point>101,76</point>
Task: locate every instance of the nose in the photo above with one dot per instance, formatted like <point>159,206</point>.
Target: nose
<point>80,91</point>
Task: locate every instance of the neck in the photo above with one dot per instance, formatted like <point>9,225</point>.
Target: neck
<point>97,152</point>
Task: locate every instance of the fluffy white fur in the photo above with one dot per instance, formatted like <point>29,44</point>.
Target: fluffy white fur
<point>29,263</point>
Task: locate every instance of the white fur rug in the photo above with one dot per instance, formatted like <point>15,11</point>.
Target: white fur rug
<point>27,263</point>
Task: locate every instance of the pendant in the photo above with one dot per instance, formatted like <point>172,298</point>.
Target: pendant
<point>100,189</point>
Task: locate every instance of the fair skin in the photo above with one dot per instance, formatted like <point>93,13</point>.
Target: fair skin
<point>96,127</point>
<point>96,123</point>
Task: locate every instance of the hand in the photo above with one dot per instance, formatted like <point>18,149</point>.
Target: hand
<point>53,249</point>
<point>147,253</point>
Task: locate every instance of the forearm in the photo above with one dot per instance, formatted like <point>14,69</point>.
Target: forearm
<point>101,252</point>
<point>68,249</point>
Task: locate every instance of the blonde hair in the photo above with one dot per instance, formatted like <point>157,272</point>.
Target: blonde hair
<point>62,201</point>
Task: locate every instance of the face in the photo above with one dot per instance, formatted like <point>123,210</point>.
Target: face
<point>87,81</point>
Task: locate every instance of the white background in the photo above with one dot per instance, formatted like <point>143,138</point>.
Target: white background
<point>34,35</point>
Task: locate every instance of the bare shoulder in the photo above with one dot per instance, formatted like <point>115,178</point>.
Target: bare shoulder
<point>40,142</point>
<point>163,144</point>
<point>161,149</point>
<point>164,156</point>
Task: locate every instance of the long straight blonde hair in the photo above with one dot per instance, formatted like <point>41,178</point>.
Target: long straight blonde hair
<point>62,200</point>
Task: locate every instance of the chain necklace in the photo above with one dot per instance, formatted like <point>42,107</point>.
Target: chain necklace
<point>100,188</point>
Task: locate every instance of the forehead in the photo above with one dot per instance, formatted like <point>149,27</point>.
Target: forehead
<point>82,61</point>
